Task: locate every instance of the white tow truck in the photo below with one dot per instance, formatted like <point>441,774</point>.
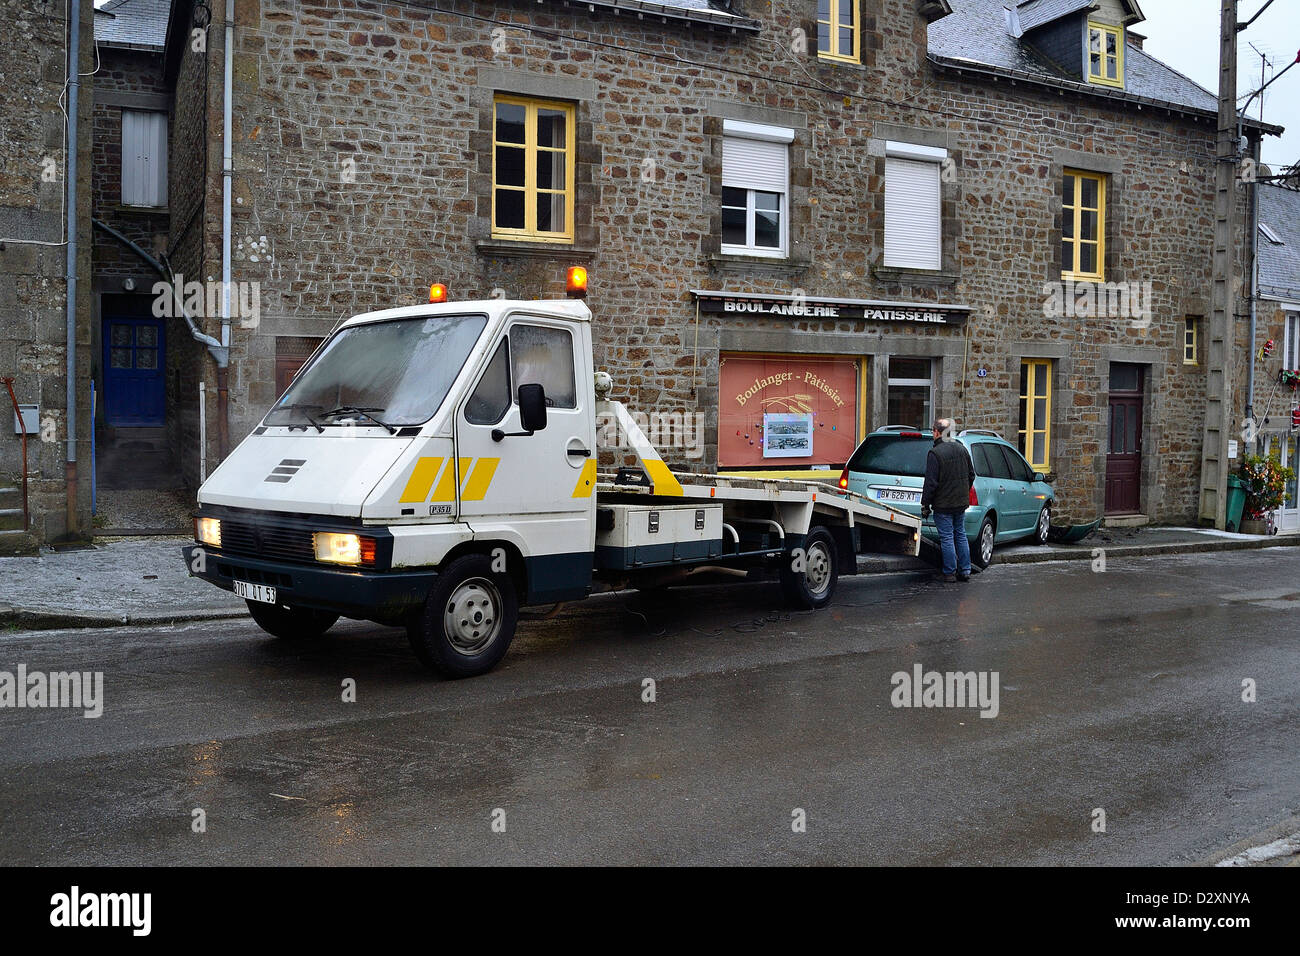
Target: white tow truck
<point>435,467</point>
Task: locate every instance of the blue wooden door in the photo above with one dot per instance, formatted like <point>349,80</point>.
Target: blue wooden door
<point>134,360</point>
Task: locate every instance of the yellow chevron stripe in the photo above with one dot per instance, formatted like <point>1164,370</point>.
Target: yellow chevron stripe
<point>586,481</point>
<point>664,482</point>
<point>476,484</point>
<point>417,488</point>
<point>447,484</point>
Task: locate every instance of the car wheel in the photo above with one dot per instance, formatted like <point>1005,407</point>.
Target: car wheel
<point>291,623</point>
<point>1044,525</point>
<point>812,587</point>
<point>982,554</point>
<point>468,620</point>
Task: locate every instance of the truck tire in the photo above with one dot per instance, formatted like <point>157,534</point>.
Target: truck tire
<point>813,587</point>
<point>291,623</point>
<point>468,620</point>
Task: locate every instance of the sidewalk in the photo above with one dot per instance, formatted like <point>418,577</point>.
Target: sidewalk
<point>145,580</point>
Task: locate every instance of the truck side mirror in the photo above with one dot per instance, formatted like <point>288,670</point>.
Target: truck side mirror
<point>532,407</point>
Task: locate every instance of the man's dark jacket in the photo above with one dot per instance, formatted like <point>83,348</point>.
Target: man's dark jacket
<point>949,475</point>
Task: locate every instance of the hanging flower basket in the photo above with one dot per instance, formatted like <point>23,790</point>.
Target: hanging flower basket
<point>1266,482</point>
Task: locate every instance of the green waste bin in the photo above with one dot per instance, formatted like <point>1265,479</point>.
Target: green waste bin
<point>1236,502</point>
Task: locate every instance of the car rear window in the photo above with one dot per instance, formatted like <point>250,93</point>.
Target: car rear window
<point>891,455</point>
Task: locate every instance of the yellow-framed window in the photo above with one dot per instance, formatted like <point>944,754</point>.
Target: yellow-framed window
<point>532,169</point>
<point>1083,225</point>
<point>837,30</point>
<point>1036,412</point>
<point>1105,54</point>
<point>1189,341</point>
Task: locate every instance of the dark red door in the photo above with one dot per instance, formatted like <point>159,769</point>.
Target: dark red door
<point>1124,441</point>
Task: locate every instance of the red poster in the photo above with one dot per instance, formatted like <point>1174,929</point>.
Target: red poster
<point>786,411</point>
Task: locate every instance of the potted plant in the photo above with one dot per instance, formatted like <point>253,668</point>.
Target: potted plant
<point>1266,482</point>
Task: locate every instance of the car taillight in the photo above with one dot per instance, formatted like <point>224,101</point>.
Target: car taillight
<point>974,498</point>
<point>844,477</point>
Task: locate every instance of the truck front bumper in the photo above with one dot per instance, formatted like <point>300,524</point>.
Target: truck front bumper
<point>371,595</point>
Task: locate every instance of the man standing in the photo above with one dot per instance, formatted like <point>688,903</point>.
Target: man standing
<point>949,476</point>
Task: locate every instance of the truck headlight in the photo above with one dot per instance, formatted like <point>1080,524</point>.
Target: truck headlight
<point>208,531</point>
<point>335,548</point>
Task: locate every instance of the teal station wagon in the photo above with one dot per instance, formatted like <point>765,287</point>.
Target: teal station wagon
<point>1009,501</point>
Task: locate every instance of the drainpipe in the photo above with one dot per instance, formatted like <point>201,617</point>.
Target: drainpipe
<point>227,172</point>
<point>74,83</point>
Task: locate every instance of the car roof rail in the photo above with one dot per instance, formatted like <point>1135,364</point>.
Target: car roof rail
<point>899,428</point>
<point>980,431</point>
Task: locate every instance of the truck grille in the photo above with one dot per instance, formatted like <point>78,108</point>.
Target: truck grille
<point>268,539</point>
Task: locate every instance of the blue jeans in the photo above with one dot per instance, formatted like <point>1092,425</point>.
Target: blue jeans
<point>953,542</point>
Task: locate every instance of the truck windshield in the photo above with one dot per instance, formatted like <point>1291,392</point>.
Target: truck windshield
<point>397,372</point>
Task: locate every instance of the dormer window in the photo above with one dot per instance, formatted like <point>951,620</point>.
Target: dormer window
<point>1105,54</point>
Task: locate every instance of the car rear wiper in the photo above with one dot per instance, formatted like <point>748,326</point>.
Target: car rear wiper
<point>363,412</point>
<point>303,409</point>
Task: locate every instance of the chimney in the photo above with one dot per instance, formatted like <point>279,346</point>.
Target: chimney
<point>1133,38</point>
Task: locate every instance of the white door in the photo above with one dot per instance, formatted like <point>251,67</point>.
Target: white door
<point>537,490</point>
<point>1290,511</point>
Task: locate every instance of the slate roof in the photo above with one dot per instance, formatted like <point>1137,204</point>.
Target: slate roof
<point>1034,13</point>
<point>976,35</point>
<point>712,12</point>
<point>1279,266</point>
<point>136,24</point>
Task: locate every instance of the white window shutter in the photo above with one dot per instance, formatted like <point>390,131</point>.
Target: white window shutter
<point>912,215</point>
<point>144,158</point>
<point>755,164</point>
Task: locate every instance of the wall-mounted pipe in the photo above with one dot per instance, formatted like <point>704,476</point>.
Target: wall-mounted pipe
<point>74,84</point>
<point>227,173</point>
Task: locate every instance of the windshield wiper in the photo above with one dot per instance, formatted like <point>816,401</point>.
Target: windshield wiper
<point>303,409</point>
<point>363,412</point>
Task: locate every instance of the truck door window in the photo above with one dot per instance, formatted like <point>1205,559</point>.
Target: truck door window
<point>491,398</point>
<point>545,356</point>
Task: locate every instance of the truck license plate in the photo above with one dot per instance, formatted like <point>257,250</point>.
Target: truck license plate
<point>255,592</point>
<point>892,494</point>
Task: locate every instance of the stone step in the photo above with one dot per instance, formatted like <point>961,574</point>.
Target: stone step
<point>11,519</point>
<point>17,544</point>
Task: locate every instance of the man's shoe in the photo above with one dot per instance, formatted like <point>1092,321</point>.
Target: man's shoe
<point>949,579</point>
<point>963,578</point>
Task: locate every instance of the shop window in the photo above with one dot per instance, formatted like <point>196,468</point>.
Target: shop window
<point>837,30</point>
<point>787,412</point>
<point>1083,225</point>
<point>1105,54</point>
<point>1036,412</point>
<point>910,392</point>
<point>1189,341</point>
<point>532,169</point>
<point>913,232</point>
<point>755,189</point>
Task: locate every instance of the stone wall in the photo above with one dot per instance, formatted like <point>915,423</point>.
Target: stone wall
<point>33,287</point>
<point>362,173</point>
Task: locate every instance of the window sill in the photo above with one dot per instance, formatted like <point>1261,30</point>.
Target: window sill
<point>730,262</point>
<point>934,277</point>
<point>522,249</point>
<point>146,210</point>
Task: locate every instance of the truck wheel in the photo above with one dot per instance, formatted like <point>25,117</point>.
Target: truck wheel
<point>291,623</point>
<point>813,587</point>
<point>467,621</point>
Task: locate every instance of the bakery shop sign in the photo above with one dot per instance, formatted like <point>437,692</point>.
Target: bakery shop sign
<point>808,307</point>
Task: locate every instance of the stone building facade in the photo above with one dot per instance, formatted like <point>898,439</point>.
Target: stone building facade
<point>33,284</point>
<point>372,153</point>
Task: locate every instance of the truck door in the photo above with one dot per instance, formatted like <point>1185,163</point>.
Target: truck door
<point>538,489</point>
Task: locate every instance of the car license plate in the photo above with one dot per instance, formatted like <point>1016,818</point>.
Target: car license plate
<point>255,592</point>
<point>896,494</point>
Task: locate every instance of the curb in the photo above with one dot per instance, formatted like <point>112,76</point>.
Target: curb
<point>38,619</point>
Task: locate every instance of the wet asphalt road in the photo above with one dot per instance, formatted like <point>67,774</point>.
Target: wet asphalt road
<point>1119,690</point>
